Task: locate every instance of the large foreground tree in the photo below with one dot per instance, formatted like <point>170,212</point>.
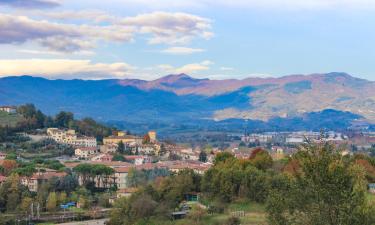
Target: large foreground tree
<point>325,188</point>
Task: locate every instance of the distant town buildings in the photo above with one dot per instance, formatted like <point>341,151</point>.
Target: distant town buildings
<point>38,178</point>
<point>8,109</point>
<point>71,138</point>
<point>2,155</point>
<point>124,138</point>
<point>85,152</point>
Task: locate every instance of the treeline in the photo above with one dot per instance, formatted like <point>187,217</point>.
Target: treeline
<point>17,198</point>
<point>317,185</point>
<point>33,119</point>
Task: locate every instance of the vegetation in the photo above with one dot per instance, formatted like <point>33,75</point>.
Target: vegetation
<point>317,186</point>
<point>33,118</point>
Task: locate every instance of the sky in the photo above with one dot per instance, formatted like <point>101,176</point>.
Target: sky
<point>216,39</point>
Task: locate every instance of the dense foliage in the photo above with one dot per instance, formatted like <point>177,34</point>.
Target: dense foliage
<point>317,186</point>
<point>35,119</point>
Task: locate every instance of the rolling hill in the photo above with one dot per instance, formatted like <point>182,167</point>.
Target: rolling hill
<point>183,99</point>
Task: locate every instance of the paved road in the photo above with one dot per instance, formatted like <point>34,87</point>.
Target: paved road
<point>87,222</point>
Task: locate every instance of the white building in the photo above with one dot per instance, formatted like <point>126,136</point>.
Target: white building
<point>86,152</point>
<point>8,109</point>
<point>71,138</point>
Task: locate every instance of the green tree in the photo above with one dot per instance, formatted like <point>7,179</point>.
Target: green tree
<point>64,119</point>
<point>203,156</point>
<point>119,157</point>
<point>223,156</point>
<point>261,159</point>
<point>51,202</point>
<point>121,147</point>
<point>25,204</point>
<point>328,189</point>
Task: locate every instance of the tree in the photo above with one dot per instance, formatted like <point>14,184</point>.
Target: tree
<point>9,165</point>
<point>261,159</point>
<point>25,204</point>
<point>223,156</point>
<point>203,156</point>
<point>51,202</point>
<point>327,189</point>
<point>119,157</point>
<point>242,144</point>
<point>121,147</point>
<point>64,119</point>
<point>146,139</point>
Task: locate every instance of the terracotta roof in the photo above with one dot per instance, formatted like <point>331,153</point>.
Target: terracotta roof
<point>123,137</point>
<point>110,164</point>
<point>2,178</point>
<point>132,157</point>
<point>87,148</point>
<point>47,175</point>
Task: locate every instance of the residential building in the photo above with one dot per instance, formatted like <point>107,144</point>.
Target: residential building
<point>152,136</point>
<point>108,148</point>
<point>371,188</point>
<point>105,157</point>
<point>8,109</point>
<point>85,152</point>
<point>138,159</point>
<point>71,138</point>
<point>2,155</point>
<point>2,179</point>
<point>43,175</point>
<point>122,137</point>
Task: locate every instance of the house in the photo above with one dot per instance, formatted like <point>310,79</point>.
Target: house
<point>371,188</point>
<point>2,179</point>
<point>148,149</point>
<point>138,159</point>
<point>43,175</point>
<point>8,109</point>
<point>86,152</point>
<point>70,137</point>
<point>152,135</point>
<point>102,158</point>
<point>122,137</point>
<point>196,166</point>
<point>2,155</point>
<point>108,148</point>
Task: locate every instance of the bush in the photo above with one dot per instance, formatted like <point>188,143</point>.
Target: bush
<point>233,221</point>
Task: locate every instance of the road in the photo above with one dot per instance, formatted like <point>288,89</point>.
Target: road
<point>87,222</point>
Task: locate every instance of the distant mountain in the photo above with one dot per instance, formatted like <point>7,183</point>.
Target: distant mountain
<point>181,98</point>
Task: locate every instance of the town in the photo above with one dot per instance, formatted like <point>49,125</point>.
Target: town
<point>66,172</point>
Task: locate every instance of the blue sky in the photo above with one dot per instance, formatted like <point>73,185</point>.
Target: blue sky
<point>146,39</point>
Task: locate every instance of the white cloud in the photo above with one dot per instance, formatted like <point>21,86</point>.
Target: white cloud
<point>182,50</point>
<point>226,68</point>
<point>265,4</point>
<point>162,27</point>
<point>170,28</point>
<point>42,52</point>
<point>58,37</point>
<point>64,68</point>
<point>187,69</point>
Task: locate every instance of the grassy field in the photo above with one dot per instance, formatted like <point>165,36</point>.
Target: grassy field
<point>7,119</point>
<point>254,215</point>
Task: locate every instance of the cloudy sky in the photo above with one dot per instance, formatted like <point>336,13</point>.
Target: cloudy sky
<point>146,39</point>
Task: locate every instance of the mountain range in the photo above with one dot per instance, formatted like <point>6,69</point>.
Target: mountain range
<point>183,99</point>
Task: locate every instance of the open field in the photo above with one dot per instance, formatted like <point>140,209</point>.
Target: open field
<point>254,215</point>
